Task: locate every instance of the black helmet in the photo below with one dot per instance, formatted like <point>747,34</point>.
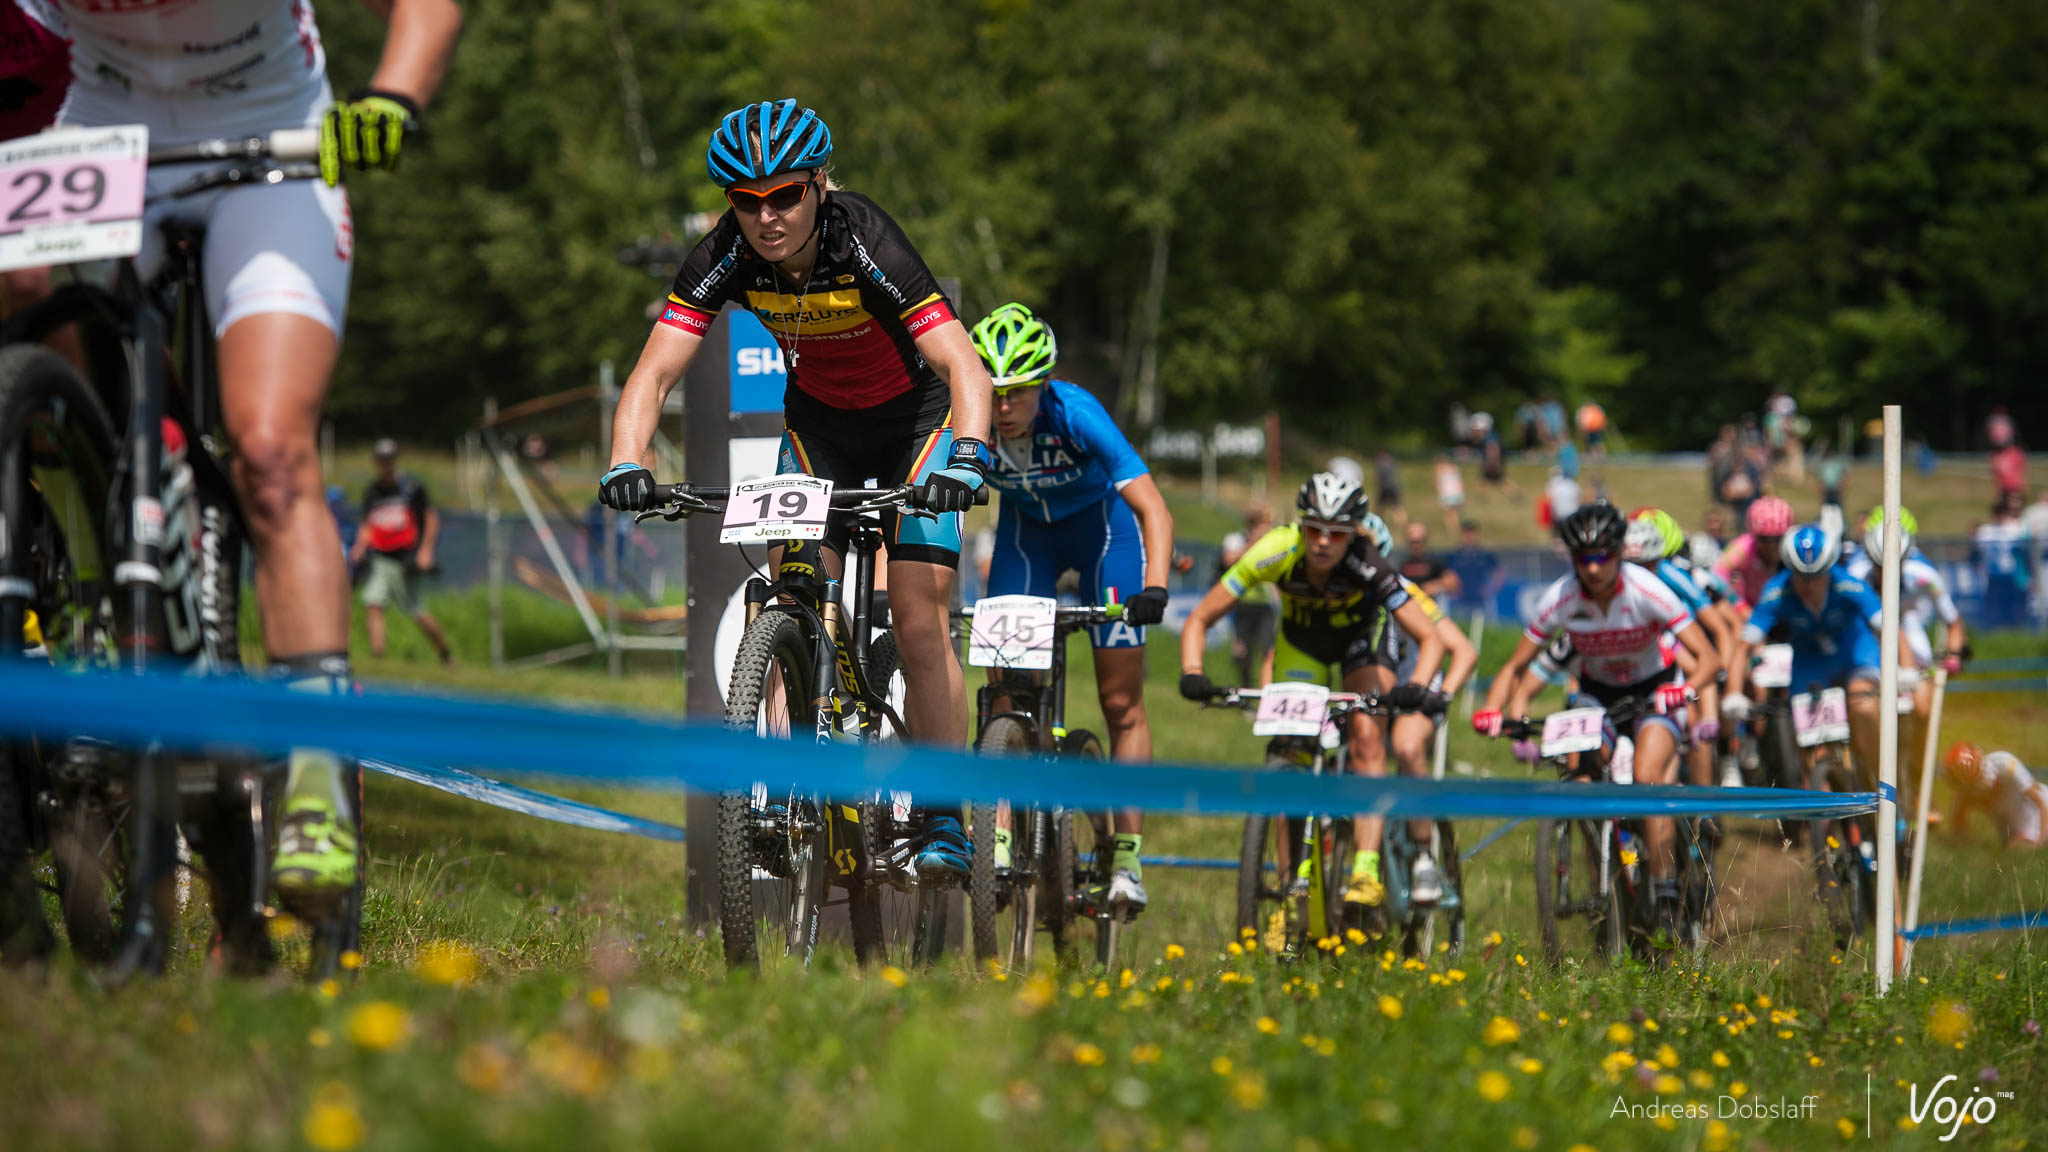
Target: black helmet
<point>1593,527</point>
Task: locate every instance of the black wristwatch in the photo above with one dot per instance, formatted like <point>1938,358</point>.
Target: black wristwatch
<point>972,453</point>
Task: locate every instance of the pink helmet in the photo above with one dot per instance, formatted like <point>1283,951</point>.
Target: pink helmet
<point>1770,516</point>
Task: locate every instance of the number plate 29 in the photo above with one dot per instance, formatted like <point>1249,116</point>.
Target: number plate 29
<point>72,194</point>
<point>771,508</point>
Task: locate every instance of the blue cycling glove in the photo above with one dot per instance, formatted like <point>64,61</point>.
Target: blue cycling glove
<point>627,487</point>
<point>954,487</point>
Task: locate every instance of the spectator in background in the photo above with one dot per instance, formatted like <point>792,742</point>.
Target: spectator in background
<point>2035,518</point>
<point>1425,570</point>
<point>400,528</point>
<point>1561,497</point>
<point>1461,426</point>
<point>1389,472</point>
<point>1493,462</point>
<point>1829,471</point>
<point>1255,620</point>
<point>1715,525</point>
<point>1476,568</point>
<point>2000,551</point>
<point>1721,458</point>
<point>1528,433</point>
<point>1593,426</point>
<point>1550,414</point>
<point>2008,459</point>
<point>1450,491</point>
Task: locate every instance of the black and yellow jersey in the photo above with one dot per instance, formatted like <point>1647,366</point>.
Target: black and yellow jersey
<point>1359,590</point>
<point>849,334</point>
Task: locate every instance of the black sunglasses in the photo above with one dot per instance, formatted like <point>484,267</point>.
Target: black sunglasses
<point>782,197</point>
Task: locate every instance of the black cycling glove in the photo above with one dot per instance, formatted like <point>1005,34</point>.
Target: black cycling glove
<point>1196,686</point>
<point>952,488</point>
<point>1147,607</point>
<point>627,487</point>
<point>1408,697</point>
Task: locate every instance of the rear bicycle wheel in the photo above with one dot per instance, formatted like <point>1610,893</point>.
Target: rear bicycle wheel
<point>771,695</point>
<point>1838,868</point>
<point>1097,841</point>
<point>1608,896</point>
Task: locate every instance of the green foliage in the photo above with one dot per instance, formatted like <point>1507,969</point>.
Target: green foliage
<point>1355,212</point>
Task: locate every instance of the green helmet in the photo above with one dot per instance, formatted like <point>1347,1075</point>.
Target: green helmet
<point>1016,347</point>
<point>1873,532</point>
<point>1668,526</point>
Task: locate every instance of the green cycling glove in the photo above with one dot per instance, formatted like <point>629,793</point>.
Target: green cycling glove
<point>365,132</point>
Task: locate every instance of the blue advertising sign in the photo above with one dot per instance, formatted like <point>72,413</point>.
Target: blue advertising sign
<point>758,374</point>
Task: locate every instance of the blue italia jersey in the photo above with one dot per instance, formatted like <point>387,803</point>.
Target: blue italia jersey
<point>1074,458</point>
<point>1683,585</point>
<point>1843,623</point>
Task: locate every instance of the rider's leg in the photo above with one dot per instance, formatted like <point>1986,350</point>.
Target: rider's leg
<point>920,607</point>
<point>373,623</point>
<point>1863,721</point>
<point>1120,685</point>
<point>1657,763</point>
<point>1414,739</point>
<point>1367,738</point>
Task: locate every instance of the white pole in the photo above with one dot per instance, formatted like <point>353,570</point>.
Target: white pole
<point>1886,933</point>
<point>1925,800</point>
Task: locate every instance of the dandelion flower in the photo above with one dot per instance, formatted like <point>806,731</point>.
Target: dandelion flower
<point>1390,1007</point>
<point>1175,951</point>
<point>1221,1065</point>
<point>1493,1086</point>
<point>1269,1026</point>
<point>1501,1030</point>
<point>447,962</point>
<point>1619,1034</point>
<point>379,1026</point>
<point>333,1124</point>
<point>1531,1066</point>
<point>1088,1055</point>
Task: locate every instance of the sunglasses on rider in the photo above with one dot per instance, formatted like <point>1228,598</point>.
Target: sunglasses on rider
<point>1591,559</point>
<point>1327,531</point>
<point>782,197</point>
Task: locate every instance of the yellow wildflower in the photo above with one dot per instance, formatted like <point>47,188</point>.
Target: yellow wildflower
<point>1619,1033</point>
<point>1531,1066</point>
<point>1846,1127</point>
<point>1175,951</point>
<point>1088,1055</point>
<point>333,1124</point>
<point>894,976</point>
<point>1221,1065</point>
<point>1269,1026</point>
<point>1493,1086</point>
<point>1146,1054</point>
<point>1390,1007</point>
<point>447,962</point>
<point>1501,1030</point>
<point>379,1026</point>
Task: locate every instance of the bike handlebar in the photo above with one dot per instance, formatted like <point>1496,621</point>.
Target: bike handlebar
<point>1339,704</point>
<point>285,145</point>
<point>681,501</point>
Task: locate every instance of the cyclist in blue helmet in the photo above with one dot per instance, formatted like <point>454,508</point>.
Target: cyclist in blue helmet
<point>1831,619</point>
<point>883,383</point>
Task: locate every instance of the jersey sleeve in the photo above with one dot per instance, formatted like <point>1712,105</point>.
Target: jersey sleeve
<point>417,499</point>
<point>1090,424</point>
<point>1381,578</point>
<point>1546,619</point>
<point>1681,584</point>
<point>1868,605</point>
<point>1671,612</point>
<point>1733,558</point>
<point>1430,607</point>
<point>1768,606</point>
<point>708,279</point>
<point>1265,562</point>
<point>890,265</point>
<point>1937,590</point>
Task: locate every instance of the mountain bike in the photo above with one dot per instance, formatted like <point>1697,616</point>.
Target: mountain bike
<point>1844,848</point>
<point>1023,712</point>
<point>123,543</point>
<point>803,670</point>
<point>1612,892</point>
<point>1290,870</point>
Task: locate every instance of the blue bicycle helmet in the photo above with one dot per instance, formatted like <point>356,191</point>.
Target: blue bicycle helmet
<point>1810,550</point>
<point>764,139</point>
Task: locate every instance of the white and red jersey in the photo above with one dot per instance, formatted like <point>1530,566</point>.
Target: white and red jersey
<point>2018,801</point>
<point>1621,644</point>
<point>262,51</point>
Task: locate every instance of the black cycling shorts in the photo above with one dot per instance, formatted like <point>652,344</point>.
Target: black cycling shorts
<point>898,441</point>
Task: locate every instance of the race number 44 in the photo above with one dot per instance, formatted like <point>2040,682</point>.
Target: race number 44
<point>1291,710</point>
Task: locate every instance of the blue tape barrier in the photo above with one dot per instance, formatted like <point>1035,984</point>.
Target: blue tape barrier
<point>2010,684</point>
<point>1486,841</point>
<point>526,801</point>
<point>1980,924</point>
<point>622,749</point>
<point>2008,664</point>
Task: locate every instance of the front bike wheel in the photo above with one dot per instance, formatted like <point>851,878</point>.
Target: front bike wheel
<point>1838,865</point>
<point>57,467</point>
<point>1553,883</point>
<point>771,695</point>
<point>1004,736</point>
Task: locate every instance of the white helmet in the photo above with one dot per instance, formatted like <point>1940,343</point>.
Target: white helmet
<point>1330,498</point>
<point>1643,543</point>
<point>1705,550</point>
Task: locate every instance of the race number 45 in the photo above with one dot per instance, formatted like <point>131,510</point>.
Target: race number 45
<point>776,508</point>
<point>72,194</point>
<point>1012,632</point>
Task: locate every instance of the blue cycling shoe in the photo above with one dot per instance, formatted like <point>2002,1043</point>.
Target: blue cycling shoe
<point>946,847</point>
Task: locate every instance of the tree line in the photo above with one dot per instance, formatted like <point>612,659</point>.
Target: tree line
<point>1356,213</point>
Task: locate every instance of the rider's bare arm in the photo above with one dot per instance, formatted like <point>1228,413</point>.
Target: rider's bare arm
<point>1464,657</point>
<point>1509,694</point>
<point>1194,635</point>
<point>1708,663</point>
<point>950,353</point>
<point>1155,527</point>
<point>667,353</point>
<point>1429,647</point>
<point>417,48</point>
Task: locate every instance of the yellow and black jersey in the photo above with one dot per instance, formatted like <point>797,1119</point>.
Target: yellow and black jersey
<point>1359,590</point>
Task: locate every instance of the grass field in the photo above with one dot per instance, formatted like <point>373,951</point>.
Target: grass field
<point>530,985</point>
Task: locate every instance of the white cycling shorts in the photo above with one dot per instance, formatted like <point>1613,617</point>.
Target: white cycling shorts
<point>270,248</point>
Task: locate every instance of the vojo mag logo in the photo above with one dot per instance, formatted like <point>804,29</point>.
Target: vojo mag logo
<point>1978,1108</point>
